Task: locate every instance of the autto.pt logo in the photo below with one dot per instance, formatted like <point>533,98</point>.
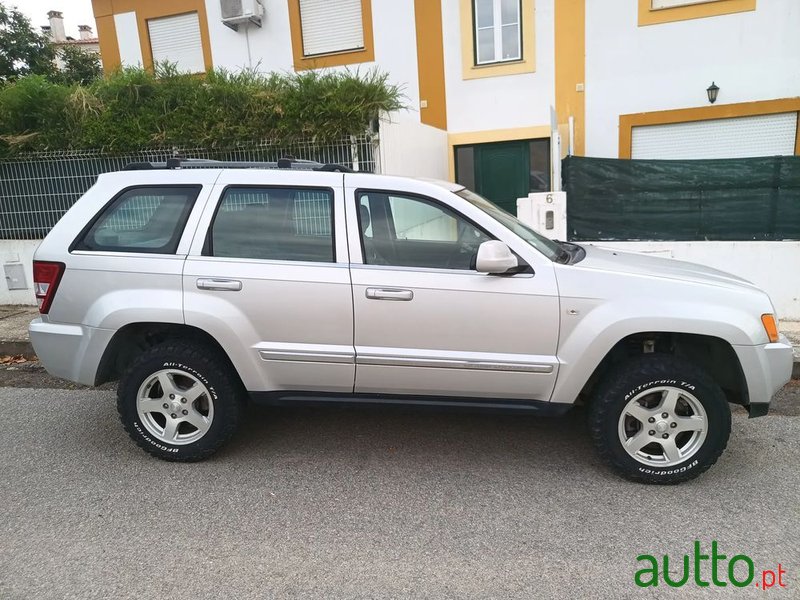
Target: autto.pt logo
<point>704,568</point>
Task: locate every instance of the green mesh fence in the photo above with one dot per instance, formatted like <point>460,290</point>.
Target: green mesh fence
<point>729,199</point>
<point>37,189</point>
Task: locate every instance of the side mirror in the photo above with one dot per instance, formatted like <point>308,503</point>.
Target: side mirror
<point>495,258</point>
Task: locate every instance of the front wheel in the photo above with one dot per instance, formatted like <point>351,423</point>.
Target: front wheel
<point>659,419</point>
<point>179,402</point>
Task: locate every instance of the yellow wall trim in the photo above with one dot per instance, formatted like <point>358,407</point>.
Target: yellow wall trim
<point>350,57</point>
<point>702,113</point>
<point>430,62</point>
<point>488,136</point>
<point>526,65</point>
<point>570,53</point>
<point>711,8</point>
<point>104,11</point>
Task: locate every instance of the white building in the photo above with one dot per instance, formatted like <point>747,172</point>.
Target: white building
<point>625,78</point>
<point>86,42</point>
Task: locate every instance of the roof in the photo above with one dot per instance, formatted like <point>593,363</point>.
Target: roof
<point>85,42</point>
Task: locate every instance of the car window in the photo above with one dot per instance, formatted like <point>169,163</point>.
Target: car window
<point>410,231</point>
<point>144,219</point>
<point>274,224</point>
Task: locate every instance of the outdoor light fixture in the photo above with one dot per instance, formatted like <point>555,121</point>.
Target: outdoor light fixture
<point>712,91</point>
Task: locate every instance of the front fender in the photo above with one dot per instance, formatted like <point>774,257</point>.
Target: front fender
<point>590,334</point>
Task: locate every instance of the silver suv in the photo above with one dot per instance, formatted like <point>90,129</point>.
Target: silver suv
<point>201,287</point>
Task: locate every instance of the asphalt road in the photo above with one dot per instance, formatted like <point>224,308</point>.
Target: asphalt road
<point>346,503</point>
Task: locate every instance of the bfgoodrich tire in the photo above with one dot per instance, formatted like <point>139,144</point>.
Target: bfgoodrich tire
<point>659,419</point>
<point>179,401</point>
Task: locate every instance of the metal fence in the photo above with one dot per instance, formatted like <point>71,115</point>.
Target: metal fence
<point>37,189</point>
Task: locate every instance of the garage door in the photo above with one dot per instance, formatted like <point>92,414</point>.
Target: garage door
<point>740,137</point>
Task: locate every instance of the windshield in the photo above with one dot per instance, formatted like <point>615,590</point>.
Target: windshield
<point>546,246</point>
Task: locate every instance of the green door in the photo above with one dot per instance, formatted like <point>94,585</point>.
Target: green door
<point>502,172</point>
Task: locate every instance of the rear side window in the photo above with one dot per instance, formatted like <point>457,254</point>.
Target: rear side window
<point>142,219</point>
<point>274,224</point>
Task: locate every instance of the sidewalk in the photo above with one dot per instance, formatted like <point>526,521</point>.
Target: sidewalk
<point>14,333</point>
<point>14,322</point>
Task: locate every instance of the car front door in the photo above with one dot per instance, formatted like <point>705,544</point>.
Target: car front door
<point>267,277</point>
<point>426,322</point>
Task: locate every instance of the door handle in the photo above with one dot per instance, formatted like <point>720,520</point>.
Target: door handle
<point>389,294</point>
<point>220,285</point>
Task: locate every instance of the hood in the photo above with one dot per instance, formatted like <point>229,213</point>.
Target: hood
<point>605,259</point>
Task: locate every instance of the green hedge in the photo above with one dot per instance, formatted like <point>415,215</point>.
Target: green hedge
<point>135,108</point>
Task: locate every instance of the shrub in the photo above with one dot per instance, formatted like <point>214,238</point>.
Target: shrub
<point>135,108</point>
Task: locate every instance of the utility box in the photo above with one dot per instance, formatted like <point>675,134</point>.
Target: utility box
<point>546,212</point>
<point>15,276</point>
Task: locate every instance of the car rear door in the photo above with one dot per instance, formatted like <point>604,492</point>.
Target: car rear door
<point>267,277</point>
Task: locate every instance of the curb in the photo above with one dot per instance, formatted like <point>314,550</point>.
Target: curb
<point>16,347</point>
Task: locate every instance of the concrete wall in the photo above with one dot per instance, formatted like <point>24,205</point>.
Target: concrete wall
<point>750,55</point>
<point>770,265</point>
<point>18,252</point>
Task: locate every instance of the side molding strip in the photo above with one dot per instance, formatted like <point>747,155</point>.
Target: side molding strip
<point>446,363</point>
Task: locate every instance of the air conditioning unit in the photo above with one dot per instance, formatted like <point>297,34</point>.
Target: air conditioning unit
<point>236,12</point>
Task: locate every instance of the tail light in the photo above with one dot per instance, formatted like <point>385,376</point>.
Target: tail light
<point>46,276</point>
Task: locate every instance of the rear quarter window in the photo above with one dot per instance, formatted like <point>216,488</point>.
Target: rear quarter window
<point>146,219</point>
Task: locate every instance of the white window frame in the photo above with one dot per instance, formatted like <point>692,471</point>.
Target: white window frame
<point>662,4</point>
<point>497,27</point>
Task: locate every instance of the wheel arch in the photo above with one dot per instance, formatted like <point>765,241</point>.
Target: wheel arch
<point>135,337</point>
<point>714,355</point>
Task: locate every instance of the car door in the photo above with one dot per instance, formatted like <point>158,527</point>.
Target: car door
<point>267,277</point>
<point>426,322</point>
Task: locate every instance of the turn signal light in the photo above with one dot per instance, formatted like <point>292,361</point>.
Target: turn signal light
<point>770,326</point>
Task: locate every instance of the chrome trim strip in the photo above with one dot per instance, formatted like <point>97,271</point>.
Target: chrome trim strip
<point>307,356</point>
<point>446,363</point>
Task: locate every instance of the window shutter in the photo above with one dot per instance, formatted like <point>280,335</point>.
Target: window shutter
<point>735,137</point>
<point>177,40</point>
<point>330,26</point>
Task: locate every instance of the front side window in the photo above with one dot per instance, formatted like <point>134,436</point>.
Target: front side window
<point>409,231</point>
<point>544,245</point>
<point>143,219</point>
<point>497,31</point>
<point>274,224</point>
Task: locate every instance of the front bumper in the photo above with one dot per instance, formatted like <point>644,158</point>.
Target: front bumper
<point>766,368</point>
<point>70,352</point>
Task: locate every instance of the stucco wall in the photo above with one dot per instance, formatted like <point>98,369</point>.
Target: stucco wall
<point>499,102</point>
<point>750,55</point>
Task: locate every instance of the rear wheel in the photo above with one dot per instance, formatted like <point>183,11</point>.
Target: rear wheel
<point>660,419</point>
<point>179,401</point>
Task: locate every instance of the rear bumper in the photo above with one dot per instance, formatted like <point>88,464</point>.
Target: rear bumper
<point>71,352</point>
<point>767,368</point>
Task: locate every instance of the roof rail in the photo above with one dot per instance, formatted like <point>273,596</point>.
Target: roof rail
<point>282,163</point>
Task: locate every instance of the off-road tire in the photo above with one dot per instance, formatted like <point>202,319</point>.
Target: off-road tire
<point>205,364</point>
<point>636,376</point>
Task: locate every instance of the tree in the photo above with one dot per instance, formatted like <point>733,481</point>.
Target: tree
<point>78,66</point>
<point>22,50</point>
